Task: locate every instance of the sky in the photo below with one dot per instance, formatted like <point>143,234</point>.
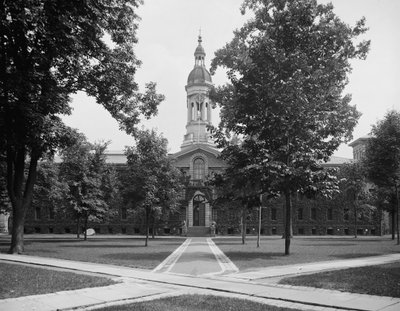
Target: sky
<point>168,33</point>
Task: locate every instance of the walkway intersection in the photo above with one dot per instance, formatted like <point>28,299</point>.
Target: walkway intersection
<point>199,267</point>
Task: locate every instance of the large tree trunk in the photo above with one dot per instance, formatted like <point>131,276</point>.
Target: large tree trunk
<point>244,216</point>
<point>393,219</point>
<point>153,227</point>
<point>78,226</point>
<point>397,215</point>
<point>355,218</point>
<point>147,227</point>
<point>85,226</point>
<point>259,226</point>
<point>17,233</point>
<point>20,193</point>
<point>288,222</point>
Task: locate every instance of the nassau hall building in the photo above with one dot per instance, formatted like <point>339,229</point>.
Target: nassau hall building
<point>199,160</point>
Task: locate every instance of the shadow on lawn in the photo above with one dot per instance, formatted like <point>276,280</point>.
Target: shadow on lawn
<point>328,244</point>
<point>353,255</point>
<point>109,246</point>
<point>253,255</point>
<point>136,256</point>
<point>361,239</point>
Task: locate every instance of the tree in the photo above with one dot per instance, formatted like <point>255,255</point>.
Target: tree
<point>151,182</point>
<point>5,205</point>
<point>49,190</point>
<point>50,49</point>
<point>382,159</point>
<point>355,188</point>
<point>287,68</point>
<point>241,184</point>
<point>84,170</point>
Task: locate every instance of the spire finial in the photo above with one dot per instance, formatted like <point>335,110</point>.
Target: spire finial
<point>200,36</point>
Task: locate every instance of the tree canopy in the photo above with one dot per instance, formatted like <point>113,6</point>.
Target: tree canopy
<point>382,159</point>
<point>50,49</point>
<point>85,172</point>
<point>151,182</point>
<point>288,68</point>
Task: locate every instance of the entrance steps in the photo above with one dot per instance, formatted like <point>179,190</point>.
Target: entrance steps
<point>198,231</point>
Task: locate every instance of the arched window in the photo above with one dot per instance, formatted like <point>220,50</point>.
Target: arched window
<point>198,198</point>
<point>199,168</point>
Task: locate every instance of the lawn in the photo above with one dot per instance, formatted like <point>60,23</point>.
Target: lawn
<point>383,280</point>
<point>19,280</point>
<point>122,251</point>
<point>196,303</point>
<point>303,249</point>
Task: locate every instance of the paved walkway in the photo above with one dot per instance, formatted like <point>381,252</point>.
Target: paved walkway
<point>175,277</point>
<point>197,257</point>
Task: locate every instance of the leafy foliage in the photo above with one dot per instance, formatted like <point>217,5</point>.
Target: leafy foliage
<point>151,182</point>
<point>50,49</point>
<point>49,191</point>
<point>355,188</point>
<point>288,68</point>
<point>383,151</point>
<point>85,171</point>
<point>382,159</point>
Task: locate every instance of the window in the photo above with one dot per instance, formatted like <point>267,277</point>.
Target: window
<point>329,214</point>
<point>313,213</point>
<point>51,213</point>
<point>123,213</point>
<point>38,213</point>
<point>274,231</point>
<point>273,213</point>
<point>300,231</point>
<point>346,214</point>
<point>214,214</point>
<point>329,231</point>
<point>314,231</point>
<point>300,214</point>
<point>198,169</point>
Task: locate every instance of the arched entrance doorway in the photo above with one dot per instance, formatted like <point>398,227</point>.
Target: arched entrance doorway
<point>199,210</point>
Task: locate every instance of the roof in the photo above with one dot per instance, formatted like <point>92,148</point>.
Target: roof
<point>360,141</point>
<point>112,157</point>
<point>336,161</point>
<point>199,74</point>
<point>191,148</point>
<point>199,51</point>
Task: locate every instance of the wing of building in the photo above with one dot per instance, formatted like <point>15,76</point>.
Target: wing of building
<point>199,160</point>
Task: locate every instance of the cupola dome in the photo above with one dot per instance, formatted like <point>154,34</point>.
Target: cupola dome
<point>199,74</point>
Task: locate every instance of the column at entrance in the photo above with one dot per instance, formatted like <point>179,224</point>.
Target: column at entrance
<point>208,215</point>
<point>190,214</point>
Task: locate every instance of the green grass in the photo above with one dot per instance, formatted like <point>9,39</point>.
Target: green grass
<point>195,303</point>
<point>19,280</point>
<point>302,249</point>
<point>382,280</point>
<point>122,251</point>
